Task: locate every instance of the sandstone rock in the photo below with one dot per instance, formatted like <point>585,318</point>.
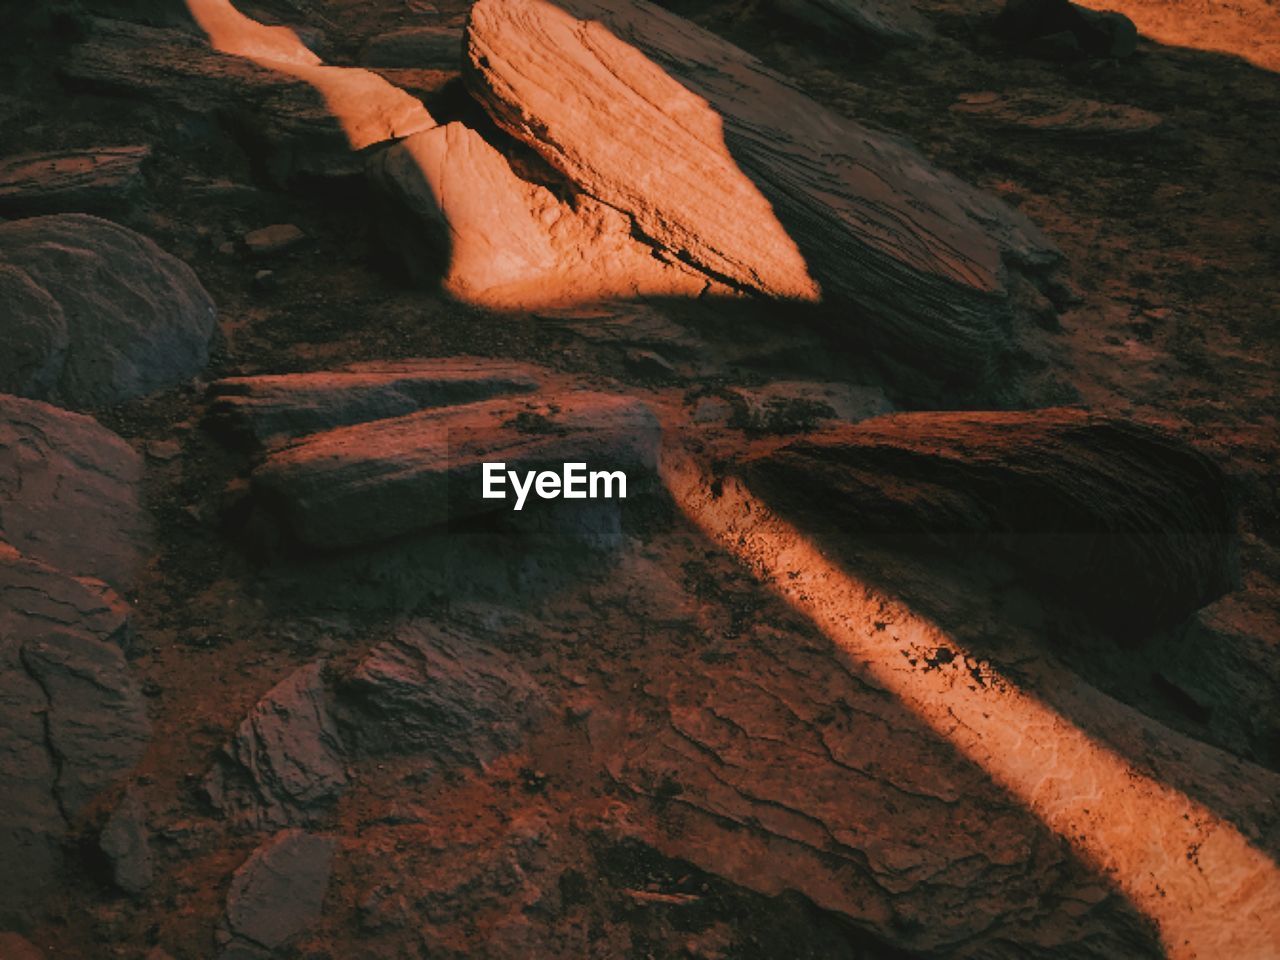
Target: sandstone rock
<point>71,718</point>
<point>436,47</point>
<point>302,118</point>
<point>1123,520</point>
<point>1050,115</point>
<point>285,763</point>
<point>876,23</point>
<point>437,691</point>
<point>266,410</point>
<point>14,946</point>
<point>124,841</point>
<point>274,239</point>
<point>276,894</point>
<point>69,492</point>
<point>99,313</point>
<point>1060,30</point>
<point>371,482</point>
<point>99,180</point>
<point>454,212</point>
<point>724,165</point>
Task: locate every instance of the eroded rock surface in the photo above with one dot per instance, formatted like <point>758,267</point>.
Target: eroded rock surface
<point>98,313</point>
<point>97,180</point>
<point>874,23</point>
<point>726,166</point>
<point>1126,520</point>
<point>70,492</point>
<point>1050,115</point>
<point>437,47</point>
<point>276,894</point>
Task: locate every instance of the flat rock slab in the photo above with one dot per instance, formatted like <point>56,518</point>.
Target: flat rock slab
<point>873,23</point>
<point>436,691</point>
<point>276,894</point>
<point>436,47</point>
<point>1123,520</point>
<point>1058,116</point>
<point>267,410</point>
<point>285,763</point>
<point>375,481</point>
<point>96,313</point>
<point>725,166</point>
<point>97,180</point>
<point>70,493</point>
<point>277,238</point>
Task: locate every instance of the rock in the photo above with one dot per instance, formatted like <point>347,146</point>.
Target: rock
<point>14,946</point>
<point>71,719</point>
<point>124,841</point>
<point>724,165</point>
<point>874,23</point>
<point>69,493</point>
<point>436,691</point>
<point>649,364</point>
<point>1048,114</point>
<point>1060,30</point>
<point>285,763</point>
<point>277,893</point>
<point>301,118</point>
<point>1120,519</point>
<point>431,47</point>
<point>370,482</point>
<point>163,451</point>
<point>791,406</point>
<point>274,239</point>
<point>269,410</point>
<point>99,180</point>
<point>452,211</point>
<point>98,314</point>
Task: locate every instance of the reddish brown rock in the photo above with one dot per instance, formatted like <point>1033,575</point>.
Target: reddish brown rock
<point>1051,115</point>
<point>99,180</point>
<point>276,894</point>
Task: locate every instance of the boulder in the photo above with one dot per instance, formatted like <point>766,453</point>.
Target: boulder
<point>276,894</point>
<point>70,493</point>
<point>285,763</point>
<point>1120,519</point>
<point>436,691</point>
<point>124,841</point>
<point>97,180</point>
<point>267,410</point>
<point>435,47</point>
<point>724,165</point>
<point>99,314</point>
<point>372,482</point>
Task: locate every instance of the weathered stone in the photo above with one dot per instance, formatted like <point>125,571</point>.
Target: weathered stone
<point>431,47</point>
<point>790,406</point>
<point>437,691</point>
<point>285,763</point>
<point>277,893</point>
<point>69,492</point>
<point>875,23</point>
<point>1047,114</point>
<point>371,482</point>
<point>97,180</point>
<point>277,238</point>
<point>124,841</point>
<point>271,409</point>
<point>99,313</point>
<point>1061,30</point>
<point>1121,519</point>
<point>723,164</point>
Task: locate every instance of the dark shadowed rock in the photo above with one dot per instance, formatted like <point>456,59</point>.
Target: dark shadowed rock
<point>725,165</point>
<point>272,409</point>
<point>435,47</point>
<point>275,239</point>
<point>69,492</point>
<point>97,180</point>
<point>124,842</point>
<point>276,894</point>
<point>100,313</point>
<point>1122,519</point>
<point>440,692</point>
<point>14,946</point>
<point>374,481</point>
<point>874,23</point>
<point>1061,30</point>
<point>1052,115</point>
<point>285,763</point>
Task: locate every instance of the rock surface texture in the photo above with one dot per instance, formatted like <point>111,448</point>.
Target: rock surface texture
<point>724,165</point>
<point>100,180</point>
<point>276,894</point>
<point>96,313</point>
<point>1125,520</point>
